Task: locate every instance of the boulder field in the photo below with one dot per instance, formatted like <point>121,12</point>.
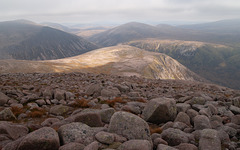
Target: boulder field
<point>81,111</point>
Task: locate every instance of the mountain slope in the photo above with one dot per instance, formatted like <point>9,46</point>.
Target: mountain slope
<point>29,41</point>
<point>216,63</point>
<point>222,26</point>
<point>124,33</point>
<point>136,31</point>
<point>57,26</point>
<point>117,60</point>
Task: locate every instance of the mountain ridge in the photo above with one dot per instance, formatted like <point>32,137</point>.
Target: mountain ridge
<point>118,60</point>
<point>24,40</point>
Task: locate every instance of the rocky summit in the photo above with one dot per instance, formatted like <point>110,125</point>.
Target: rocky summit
<point>83,111</point>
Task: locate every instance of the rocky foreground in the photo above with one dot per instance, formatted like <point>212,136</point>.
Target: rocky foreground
<point>78,111</point>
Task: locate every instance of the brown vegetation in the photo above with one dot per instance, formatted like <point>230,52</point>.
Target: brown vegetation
<point>17,110</point>
<point>36,113</point>
<point>82,103</point>
<point>155,129</point>
<point>113,102</point>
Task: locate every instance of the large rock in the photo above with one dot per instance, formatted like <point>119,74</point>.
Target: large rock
<point>136,145</point>
<point>160,110</point>
<point>45,138</point>
<point>3,99</point>
<point>209,140</point>
<point>175,136</point>
<point>7,114</point>
<point>129,126</point>
<point>201,122</point>
<point>76,131</point>
<point>12,130</point>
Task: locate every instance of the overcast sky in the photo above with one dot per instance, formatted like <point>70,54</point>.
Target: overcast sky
<point>119,11</point>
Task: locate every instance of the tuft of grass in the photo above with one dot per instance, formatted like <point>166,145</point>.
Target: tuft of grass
<point>141,100</point>
<point>36,113</point>
<point>112,103</point>
<point>82,103</point>
<point>17,111</point>
<point>154,129</point>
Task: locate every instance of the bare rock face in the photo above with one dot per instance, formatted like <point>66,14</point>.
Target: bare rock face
<point>129,126</point>
<point>160,110</point>
<point>43,139</point>
<point>209,140</point>
<point>135,144</point>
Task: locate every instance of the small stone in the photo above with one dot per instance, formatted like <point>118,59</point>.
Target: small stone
<point>136,145</point>
<point>110,92</point>
<point>92,119</point>
<point>59,110</point>
<point>32,106</point>
<point>105,137</point>
<point>209,140</point>
<point>186,146</point>
<point>174,136</point>
<point>72,146</point>
<point>41,102</point>
<point>165,147</point>
<point>198,100</point>
<point>59,94</point>
<point>3,99</point>
<point>7,114</point>
<point>183,117</point>
<point>49,121</point>
<point>94,90</point>
<point>160,110</point>
<point>76,131</point>
<point>235,119</point>
<point>182,107</point>
<point>235,110</point>
<point>201,122</point>
<point>129,126</point>
<point>93,146</point>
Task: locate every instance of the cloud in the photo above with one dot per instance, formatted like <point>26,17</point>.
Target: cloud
<point>119,10</point>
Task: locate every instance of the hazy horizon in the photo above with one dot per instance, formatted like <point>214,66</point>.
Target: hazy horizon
<point>118,12</point>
